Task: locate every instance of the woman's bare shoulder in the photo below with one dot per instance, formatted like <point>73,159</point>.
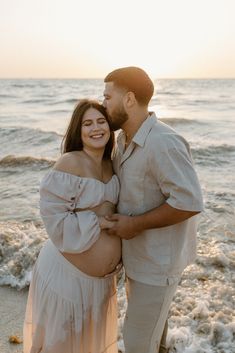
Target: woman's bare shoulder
<point>70,162</point>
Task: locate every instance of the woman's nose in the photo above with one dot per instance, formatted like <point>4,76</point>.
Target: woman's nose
<point>95,126</point>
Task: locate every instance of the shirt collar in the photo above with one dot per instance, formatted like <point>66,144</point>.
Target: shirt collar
<point>144,129</point>
<point>142,133</point>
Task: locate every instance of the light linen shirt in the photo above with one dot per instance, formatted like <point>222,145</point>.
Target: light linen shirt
<point>156,168</point>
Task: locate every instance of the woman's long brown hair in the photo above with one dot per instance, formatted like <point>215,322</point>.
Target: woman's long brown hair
<point>72,140</point>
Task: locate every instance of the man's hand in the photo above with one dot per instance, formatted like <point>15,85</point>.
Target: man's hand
<point>105,223</point>
<point>124,226</point>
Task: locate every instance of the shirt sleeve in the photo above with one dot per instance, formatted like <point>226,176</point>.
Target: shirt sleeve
<point>72,232</point>
<point>173,168</point>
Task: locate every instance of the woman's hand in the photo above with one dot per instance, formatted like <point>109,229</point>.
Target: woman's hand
<point>105,224</point>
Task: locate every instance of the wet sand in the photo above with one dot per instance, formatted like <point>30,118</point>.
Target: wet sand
<point>12,310</point>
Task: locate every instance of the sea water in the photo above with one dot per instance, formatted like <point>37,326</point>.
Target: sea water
<point>33,117</point>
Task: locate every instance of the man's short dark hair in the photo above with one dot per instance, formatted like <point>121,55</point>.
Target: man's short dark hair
<point>133,79</point>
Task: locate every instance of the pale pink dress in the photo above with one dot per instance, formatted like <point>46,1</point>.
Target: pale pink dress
<point>67,310</point>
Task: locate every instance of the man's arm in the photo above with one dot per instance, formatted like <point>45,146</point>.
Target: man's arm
<point>128,227</point>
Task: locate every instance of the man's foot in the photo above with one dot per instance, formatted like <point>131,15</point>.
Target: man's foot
<point>163,349</point>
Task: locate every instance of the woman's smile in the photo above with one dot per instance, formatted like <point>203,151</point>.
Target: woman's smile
<point>95,128</point>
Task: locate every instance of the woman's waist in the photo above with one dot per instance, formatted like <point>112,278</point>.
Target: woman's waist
<point>104,209</point>
<point>101,259</point>
<point>50,256</point>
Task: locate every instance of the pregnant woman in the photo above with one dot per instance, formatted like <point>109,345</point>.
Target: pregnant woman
<point>72,298</point>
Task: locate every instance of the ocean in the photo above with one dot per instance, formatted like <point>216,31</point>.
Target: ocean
<point>33,117</point>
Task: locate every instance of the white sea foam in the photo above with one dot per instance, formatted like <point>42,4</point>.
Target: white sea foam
<point>19,247</point>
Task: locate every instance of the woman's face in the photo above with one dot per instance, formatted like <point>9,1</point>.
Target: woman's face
<point>95,131</point>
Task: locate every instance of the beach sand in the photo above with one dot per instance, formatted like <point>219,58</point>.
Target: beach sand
<point>12,310</point>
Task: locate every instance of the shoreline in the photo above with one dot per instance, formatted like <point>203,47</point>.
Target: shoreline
<point>12,311</point>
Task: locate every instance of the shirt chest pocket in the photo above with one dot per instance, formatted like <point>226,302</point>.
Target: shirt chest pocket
<point>132,186</point>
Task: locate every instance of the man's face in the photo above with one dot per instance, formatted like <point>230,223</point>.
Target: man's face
<point>113,102</point>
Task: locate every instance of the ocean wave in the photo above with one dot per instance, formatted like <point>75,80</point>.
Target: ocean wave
<point>59,111</point>
<point>20,244</point>
<point>218,154</point>
<point>36,100</point>
<point>69,100</point>
<point>14,161</point>
<point>167,93</point>
<point>16,134</point>
<point>179,121</point>
<point>4,95</point>
<point>202,101</point>
<point>25,84</point>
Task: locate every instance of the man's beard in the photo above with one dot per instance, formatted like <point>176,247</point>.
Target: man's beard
<point>118,118</point>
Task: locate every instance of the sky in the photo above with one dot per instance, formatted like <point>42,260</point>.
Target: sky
<point>89,38</point>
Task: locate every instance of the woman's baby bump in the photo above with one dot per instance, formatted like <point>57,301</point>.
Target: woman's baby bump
<point>105,254</point>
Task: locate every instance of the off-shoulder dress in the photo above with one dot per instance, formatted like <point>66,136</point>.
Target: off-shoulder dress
<point>69,311</point>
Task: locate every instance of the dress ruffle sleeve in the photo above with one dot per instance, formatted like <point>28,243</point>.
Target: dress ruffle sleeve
<point>70,231</point>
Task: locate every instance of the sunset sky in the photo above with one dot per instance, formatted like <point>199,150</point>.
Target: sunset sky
<point>88,38</point>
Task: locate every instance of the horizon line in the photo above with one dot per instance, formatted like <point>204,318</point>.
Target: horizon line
<point>101,78</point>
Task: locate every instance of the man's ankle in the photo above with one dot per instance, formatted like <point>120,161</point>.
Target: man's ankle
<point>163,349</point>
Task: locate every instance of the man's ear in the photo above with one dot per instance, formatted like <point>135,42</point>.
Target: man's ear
<point>129,100</point>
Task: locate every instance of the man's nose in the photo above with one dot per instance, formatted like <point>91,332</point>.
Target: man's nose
<point>104,103</point>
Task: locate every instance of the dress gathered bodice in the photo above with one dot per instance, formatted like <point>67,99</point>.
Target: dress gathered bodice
<point>61,196</point>
<point>80,192</point>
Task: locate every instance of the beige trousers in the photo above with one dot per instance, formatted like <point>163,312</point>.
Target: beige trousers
<point>146,315</point>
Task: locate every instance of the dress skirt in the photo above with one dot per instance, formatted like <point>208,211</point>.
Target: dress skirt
<point>67,310</point>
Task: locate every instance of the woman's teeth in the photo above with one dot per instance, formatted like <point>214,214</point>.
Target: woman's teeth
<point>97,136</point>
